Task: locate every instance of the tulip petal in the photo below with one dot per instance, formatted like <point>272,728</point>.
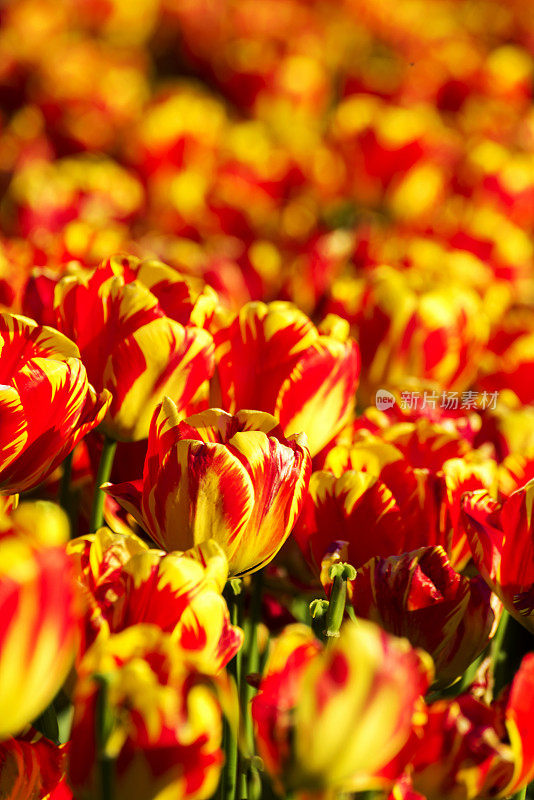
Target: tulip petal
<point>13,427</point>
<point>23,339</point>
<point>324,382</point>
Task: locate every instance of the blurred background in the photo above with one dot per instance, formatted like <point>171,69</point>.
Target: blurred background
<point>364,157</point>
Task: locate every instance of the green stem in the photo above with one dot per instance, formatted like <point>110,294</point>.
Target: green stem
<point>64,487</point>
<point>498,653</point>
<point>65,494</point>
<point>340,574</point>
<point>220,793</point>
<point>103,474</point>
<point>103,729</point>
<point>520,795</point>
<point>336,608</point>
<point>229,778</point>
<point>251,783</point>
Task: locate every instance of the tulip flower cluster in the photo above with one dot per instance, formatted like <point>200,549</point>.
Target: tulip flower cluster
<point>266,400</point>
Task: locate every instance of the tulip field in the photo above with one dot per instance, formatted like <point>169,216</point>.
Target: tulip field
<point>266,399</point>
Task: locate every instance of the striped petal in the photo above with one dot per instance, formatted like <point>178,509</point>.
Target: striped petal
<point>460,753</point>
<point>319,395</point>
<point>461,475</point>
<point>263,340</point>
<point>185,299</point>
<point>99,311</point>
<point>271,357</point>
<point>22,339</point>
<point>13,426</point>
<point>31,767</point>
<point>500,536</point>
<point>279,480</point>
<point>518,721</point>
<point>60,408</point>
<point>367,677</point>
<point>38,630</point>
<point>160,358</point>
<point>175,593</point>
<point>357,508</point>
<point>418,595</point>
<point>236,479</point>
<point>130,347</point>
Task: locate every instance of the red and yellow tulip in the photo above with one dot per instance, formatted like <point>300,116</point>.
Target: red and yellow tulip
<point>236,479</point>
<point>393,491</point>
<point>131,348</point>
<point>420,596</point>
<point>334,717</point>
<point>39,613</point>
<point>273,358</point>
<point>125,583</point>
<point>472,750</point>
<point>165,726</point>
<point>509,358</point>
<point>46,402</point>
<point>501,539</point>
<point>356,507</point>
<point>183,298</point>
<point>407,326</point>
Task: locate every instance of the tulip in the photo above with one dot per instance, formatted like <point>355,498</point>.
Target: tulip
<point>125,583</point>
<point>131,348</point>
<point>508,428</point>
<point>391,492</point>
<point>39,612</point>
<point>420,596</point>
<point>473,750</point>
<point>357,508</point>
<point>335,717</point>
<point>509,358</point>
<point>407,327</point>
<point>501,539</point>
<point>73,186</point>
<point>46,402</point>
<point>271,357</point>
<point>164,726</point>
<point>236,479</point>
<point>185,299</point>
